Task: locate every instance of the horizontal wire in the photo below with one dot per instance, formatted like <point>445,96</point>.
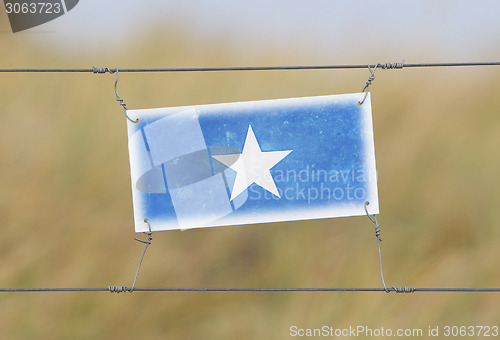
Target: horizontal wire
<point>248,68</point>
<point>125,289</point>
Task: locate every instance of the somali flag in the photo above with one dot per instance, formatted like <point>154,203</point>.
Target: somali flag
<point>252,162</point>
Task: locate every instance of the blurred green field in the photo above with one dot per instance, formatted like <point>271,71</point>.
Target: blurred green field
<point>66,207</point>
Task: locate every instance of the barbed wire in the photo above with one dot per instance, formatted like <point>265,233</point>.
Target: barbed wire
<point>398,65</point>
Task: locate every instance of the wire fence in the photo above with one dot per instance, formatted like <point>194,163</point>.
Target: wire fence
<point>371,67</point>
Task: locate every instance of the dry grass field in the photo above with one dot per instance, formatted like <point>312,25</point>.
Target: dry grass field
<point>66,208</point>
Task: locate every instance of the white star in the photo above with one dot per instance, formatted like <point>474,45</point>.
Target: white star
<point>252,166</point>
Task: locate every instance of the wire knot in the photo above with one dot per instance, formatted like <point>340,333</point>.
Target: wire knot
<point>374,221</point>
<point>368,83</point>
<point>370,79</point>
<point>392,66</point>
<point>103,70</point>
<point>147,233</point>
<point>118,289</point>
<point>378,232</point>
<point>402,289</point>
<point>148,241</point>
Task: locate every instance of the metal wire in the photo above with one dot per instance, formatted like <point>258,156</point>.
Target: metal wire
<point>250,68</point>
<point>173,289</point>
<point>379,239</point>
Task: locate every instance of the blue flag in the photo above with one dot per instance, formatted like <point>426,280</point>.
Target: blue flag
<point>252,162</point>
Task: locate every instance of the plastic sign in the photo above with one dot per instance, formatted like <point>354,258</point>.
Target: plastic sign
<point>252,162</point>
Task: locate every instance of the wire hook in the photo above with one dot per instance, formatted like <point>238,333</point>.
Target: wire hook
<point>377,234</point>
<point>102,70</point>
<point>147,242</point>
<point>121,289</point>
<point>368,82</point>
<point>118,99</point>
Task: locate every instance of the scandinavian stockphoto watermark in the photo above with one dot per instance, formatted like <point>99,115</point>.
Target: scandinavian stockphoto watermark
<point>25,14</point>
<point>310,184</point>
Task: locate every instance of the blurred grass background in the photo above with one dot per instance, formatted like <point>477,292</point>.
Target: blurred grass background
<point>66,208</point>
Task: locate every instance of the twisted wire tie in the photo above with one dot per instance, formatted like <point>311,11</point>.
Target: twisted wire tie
<point>370,78</point>
<point>374,220</point>
<point>147,243</point>
<point>118,289</point>
<point>392,66</point>
<point>368,83</point>
<point>122,289</point>
<point>385,66</point>
<point>379,239</point>
<point>103,70</point>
